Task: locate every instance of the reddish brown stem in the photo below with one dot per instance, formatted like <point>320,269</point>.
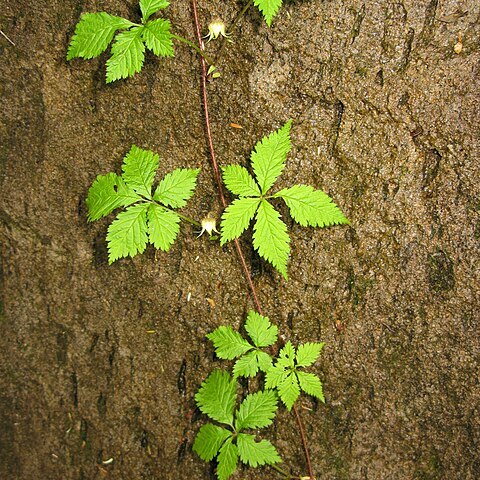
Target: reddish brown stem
<point>304,442</point>
<point>218,179</point>
<point>216,170</point>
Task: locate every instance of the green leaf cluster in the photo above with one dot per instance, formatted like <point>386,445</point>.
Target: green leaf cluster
<point>308,207</point>
<point>149,217</point>
<point>268,8</point>
<point>95,31</point>
<point>286,377</point>
<point>229,344</point>
<point>217,399</point>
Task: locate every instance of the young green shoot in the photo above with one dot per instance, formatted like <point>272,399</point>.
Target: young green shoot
<point>229,344</point>
<point>217,398</point>
<point>95,31</point>
<point>149,215</point>
<point>308,207</point>
<point>286,377</point>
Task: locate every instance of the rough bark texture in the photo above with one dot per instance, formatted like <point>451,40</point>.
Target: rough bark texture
<point>100,362</point>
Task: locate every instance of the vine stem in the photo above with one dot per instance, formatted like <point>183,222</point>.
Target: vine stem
<point>218,179</point>
<point>216,170</point>
<point>304,442</point>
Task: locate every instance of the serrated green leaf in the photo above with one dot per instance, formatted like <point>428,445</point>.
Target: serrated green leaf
<point>228,343</point>
<point>268,8</point>
<point>216,397</point>
<point>149,7</point>
<point>289,390</point>
<point>268,158</point>
<point>261,330</point>
<point>208,441</point>
<point>236,218</point>
<point>246,365</point>
<point>286,357</point>
<point>240,182</point>
<point>270,237</point>
<point>128,54</point>
<point>307,353</point>
<point>311,384</point>
<point>275,376</point>
<point>139,167</point>
<point>256,453</point>
<point>157,37</point>
<point>106,194</point>
<point>93,34</point>
<point>264,361</point>
<point>163,227</point>
<point>177,187</point>
<point>227,460</point>
<point>311,207</point>
<point>257,410</point>
<point>127,234</point>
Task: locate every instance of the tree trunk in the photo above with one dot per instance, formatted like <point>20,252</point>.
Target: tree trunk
<point>102,362</point>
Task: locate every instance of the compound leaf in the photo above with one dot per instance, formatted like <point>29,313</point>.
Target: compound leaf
<point>163,227</point>
<point>289,390</point>
<point>311,384</point>
<point>177,187</point>
<point>208,441</point>
<point>228,343</point>
<point>236,218</point>
<point>127,55</point>
<point>269,8</point>
<point>240,182</point>
<point>257,410</point>
<point>127,234</point>
<point>227,460</point>
<point>93,34</point>
<point>310,207</point>
<point>216,397</point>
<point>261,330</point>
<point>157,37</point>
<point>246,366</point>
<point>139,167</point>
<point>107,193</point>
<point>270,237</point>
<point>268,158</point>
<point>149,7</point>
<point>256,453</point>
<point>307,353</point>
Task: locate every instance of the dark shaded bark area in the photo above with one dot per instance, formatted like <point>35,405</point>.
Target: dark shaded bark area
<point>101,362</point>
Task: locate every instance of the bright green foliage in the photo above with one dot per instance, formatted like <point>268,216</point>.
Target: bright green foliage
<point>229,344</point>
<point>257,410</point>
<point>145,220</point>
<point>308,207</point>
<point>149,7</point>
<point>270,237</point>
<point>176,188</point>
<point>157,37</point>
<point>256,453</point>
<point>311,208</point>
<point>93,34</point>
<point>127,235</point>
<point>268,157</point>
<point>269,8</point>
<point>95,31</point>
<point>217,397</point>
<point>128,53</point>
<point>286,377</point>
